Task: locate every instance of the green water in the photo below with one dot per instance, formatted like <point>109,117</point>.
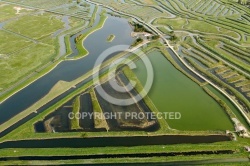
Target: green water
<point>172,91</point>
<point>230,105</point>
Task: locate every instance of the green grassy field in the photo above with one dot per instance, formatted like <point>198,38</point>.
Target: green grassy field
<point>22,62</point>
<point>45,4</point>
<point>194,25</point>
<point>42,25</point>
<point>9,11</point>
<point>23,59</point>
<point>8,39</point>
<point>146,13</point>
<point>21,53</point>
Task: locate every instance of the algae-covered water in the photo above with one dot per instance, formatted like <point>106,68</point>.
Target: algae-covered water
<point>172,91</point>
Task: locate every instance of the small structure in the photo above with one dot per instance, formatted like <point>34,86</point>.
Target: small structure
<point>240,129</point>
<point>232,135</point>
<point>247,148</point>
<point>147,34</point>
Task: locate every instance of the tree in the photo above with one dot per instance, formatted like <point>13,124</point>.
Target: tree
<point>243,2</point>
<point>155,37</point>
<point>173,37</point>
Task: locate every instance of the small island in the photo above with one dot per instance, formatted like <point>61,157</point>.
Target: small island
<point>110,38</point>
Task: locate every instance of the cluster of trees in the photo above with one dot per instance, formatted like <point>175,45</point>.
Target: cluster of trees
<point>79,38</point>
<point>173,37</point>
<point>244,2</point>
<point>139,28</point>
<point>155,37</point>
<point>137,41</point>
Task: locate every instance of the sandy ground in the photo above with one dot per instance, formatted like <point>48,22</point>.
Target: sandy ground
<point>18,9</point>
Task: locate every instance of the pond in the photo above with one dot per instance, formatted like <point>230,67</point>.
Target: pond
<point>172,91</point>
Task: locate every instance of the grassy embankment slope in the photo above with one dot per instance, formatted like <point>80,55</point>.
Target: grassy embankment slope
<point>240,153</point>
<point>81,38</point>
<point>99,119</point>
<point>74,123</point>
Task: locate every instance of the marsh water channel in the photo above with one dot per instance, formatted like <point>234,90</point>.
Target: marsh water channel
<point>114,141</point>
